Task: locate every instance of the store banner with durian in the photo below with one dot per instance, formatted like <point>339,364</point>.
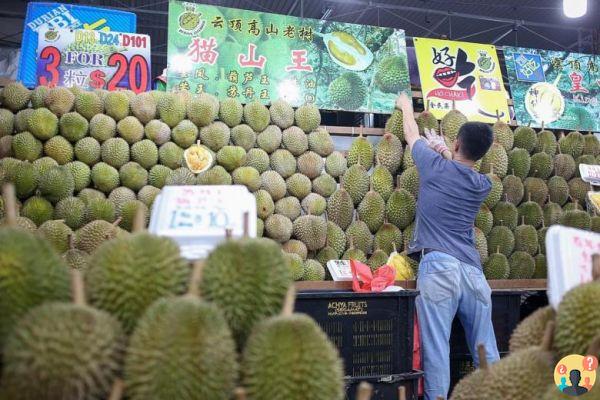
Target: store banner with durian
<point>555,88</point>
<point>249,55</point>
<point>464,76</point>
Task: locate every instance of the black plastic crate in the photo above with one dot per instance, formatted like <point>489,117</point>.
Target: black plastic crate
<point>461,366</point>
<point>386,387</point>
<point>373,331</point>
<point>506,306</point>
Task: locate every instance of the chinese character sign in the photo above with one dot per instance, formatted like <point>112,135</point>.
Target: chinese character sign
<point>65,16</point>
<point>93,59</point>
<point>465,76</point>
<point>247,55</point>
<point>559,89</point>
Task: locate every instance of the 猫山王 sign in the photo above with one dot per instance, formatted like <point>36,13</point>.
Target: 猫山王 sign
<point>462,75</point>
<point>248,55</point>
<point>555,88</point>
<point>92,59</point>
<point>42,16</point>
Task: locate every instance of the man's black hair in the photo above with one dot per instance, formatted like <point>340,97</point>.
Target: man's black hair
<point>475,140</point>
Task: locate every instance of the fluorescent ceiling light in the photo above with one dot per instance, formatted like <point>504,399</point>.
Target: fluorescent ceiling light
<point>574,8</point>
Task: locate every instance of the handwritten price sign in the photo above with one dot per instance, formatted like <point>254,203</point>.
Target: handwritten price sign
<point>94,59</point>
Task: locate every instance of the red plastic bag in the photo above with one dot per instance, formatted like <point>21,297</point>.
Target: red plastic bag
<point>363,280</point>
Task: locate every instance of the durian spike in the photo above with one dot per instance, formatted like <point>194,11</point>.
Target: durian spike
<point>288,304</point>
<point>196,278</point>
<point>596,267</point>
<point>548,338</point>
<point>198,142</point>
<point>77,287</point>
<point>117,390</point>
<point>401,393</point>
<point>10,204</point>
<point>239,394</point>
<point>246,224</point>
<point>394,247</point>
<point>364,391</point>
<point>483,363</point>
<point>139,221</point>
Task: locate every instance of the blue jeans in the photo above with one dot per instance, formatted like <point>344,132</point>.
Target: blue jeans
<point>447,287</point>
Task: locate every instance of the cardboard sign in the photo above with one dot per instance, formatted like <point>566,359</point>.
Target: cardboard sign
<point>94,59</point>
<point>197,217</point>
<point>340,270</point>
<point>569,256</point>
<point>65,16</point>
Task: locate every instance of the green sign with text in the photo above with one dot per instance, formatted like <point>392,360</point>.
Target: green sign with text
<point>252,55</point>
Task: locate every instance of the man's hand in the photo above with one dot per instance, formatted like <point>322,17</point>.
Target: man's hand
<point>437,143</point>
<point>404,103</point>
<point>411,130</point>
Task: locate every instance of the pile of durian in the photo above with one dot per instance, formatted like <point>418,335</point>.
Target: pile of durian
<point>83,161</point>
<point>134,319</point>
<point>538,343</point>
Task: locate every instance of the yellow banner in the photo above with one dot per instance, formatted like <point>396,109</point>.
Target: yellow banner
<point>467,74</point>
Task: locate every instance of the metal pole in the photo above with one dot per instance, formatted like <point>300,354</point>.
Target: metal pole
<point>440,22</point>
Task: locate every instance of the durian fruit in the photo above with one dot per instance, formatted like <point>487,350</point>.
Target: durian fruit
<point>157,131</point>
<point>525,138</point>
<point>258,159</point>
<point>595,224</point>
<point>552,213</point>
<point>43,124</point>
<point>179,176</point>
<point>296,247</point>
<point>320,142</point>
<point>356,182</point>
<point>485,219</point>
<point>481,244</point>
<point>262,279</point>
<point>129,213</point>
<point>231,112</point>
<point>576,219</point>
<point>15,96</point>
<point>310,164</point>
<point>298,185</point>
<point>340,208</point>
<point>170,155</point>
<point>531,213</point>
<point>278,227</point>
<point>158,175</point>
<point>89,194</point>
<point>541,267</point>
<point>145,153</point>
<point>264,204</point>
<point>558,189</point>
<point>584,159</point>
<point>313,271</point>
<point>361,152</point>
<point>505,213</point>
<point>503,134</point>
<point>564,165</point>
<point>536,190</point>
<point>102,127</point>
<point>542,165</point>
<point>294,140</point>
<point>56,183</point>
<point>248,177</point>
<point>382,181</point>
<point>324,185</point>
<point>94,233</point>
<point>388,237</point>
<point>37,209</point>
<point>307,117</point>
<point>188,329</point>
<point>73,126</point>
<point>282,114</point>
<point>37,96</point>
<point>26,147</point>
<point>572,144</point>
<point>147,194</point>
<point>591,146</point>
<point>70,351</point>
<point>496,191</point>
<point>308,364</point>
<point>283,162</point>
<point>257,116</point>
<point>496,266</point>
<point>59,100</point>
<point>311,230</point>
<point>495,159</point>
<point>74,258</point>
<point>120,196</point>
<point>547,142</point>
<point>243,136</point>
<point>25,180</point>
<point>577,318</point>
<point>519,162</point>
<point>116,105</point>
<point>274,184</point>
<point>72,211</point>
<point>87,151</point>
<point>171,108</point>
<point>526,238</point>
<point>324,255</point>
<point>88,104</point>
<point>153,263</point>
<point>295,264</point>
<point>269,139</point>
<point>348,91</point>
<point>59,149</point>
<point>377,259</point>
<point>388,152</point>
<point>426,120</point>
<point>57,233</point>
<point>409,180</point>
<point>359,234</point>
<point>352,253</point>
<point>395,125</point>
<point>231,157</point>
<point>502,239</point>
<point>115,152</point>
<point>372,210</point>
<point>314,204</point>
<point>10,122</point>
<point>184,134</point>
<point>451,123</point>
<point>513,189</point>
<point>401,208</point>
<point>133,176</point>
<point>336,238</point>
<point>336,164</point>
<point>530,331</point>
<point>202,109</point>
<point>6,146</point>
<point>32,271</point>
<point>522,265</point>
<point>578,189</point>
<point>130,129</point>
<point>217,175</point>
<point>100,209</point>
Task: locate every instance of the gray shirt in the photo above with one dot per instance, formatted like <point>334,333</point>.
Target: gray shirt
<point>450,195</point>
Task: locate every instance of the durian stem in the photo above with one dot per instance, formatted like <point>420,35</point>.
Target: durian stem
<point>10,204</point>
<point>394,247</point>
<point>246,224</point>
<point>401,393</point>
<point>290,300</point>
<point>497,249</point>
<point>196,278</point>
<point>398,181</point>
<point>72,241</point>
<point>542,125</point>
<point>548,336</point>
<point>117,390</point>
<point>596,267</point>
<point>77,287</point>
<point>364,391</point>
<point>139,221</point>
<point>483,363</point>
<point>497,115</point>
<point>239,394</point>
<point>115,225</point>
<point>228,233</point>
<point>523,220</point>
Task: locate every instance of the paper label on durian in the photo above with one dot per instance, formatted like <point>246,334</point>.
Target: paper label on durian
<point>466,76</point>
<point>249,55</point>
<point>556,88</point>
